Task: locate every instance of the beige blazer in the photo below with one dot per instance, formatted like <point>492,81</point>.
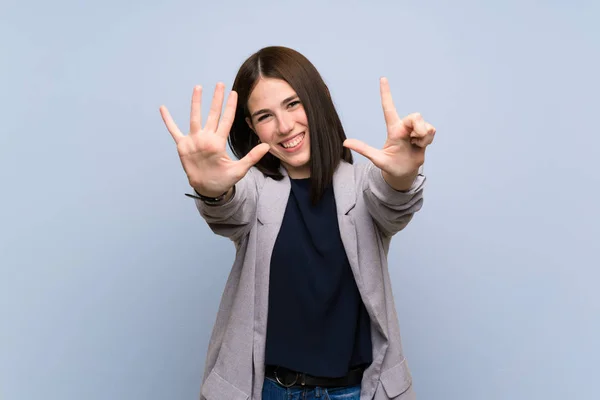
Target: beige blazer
<point>369,213</point>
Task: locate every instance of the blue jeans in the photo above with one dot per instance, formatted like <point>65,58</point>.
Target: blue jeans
<point>274,391</point>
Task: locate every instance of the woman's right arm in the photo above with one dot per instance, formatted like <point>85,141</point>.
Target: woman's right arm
<point>233,217</point>
<point>210,170</point>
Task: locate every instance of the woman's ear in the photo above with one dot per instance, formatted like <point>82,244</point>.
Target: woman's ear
<point>249,122</point>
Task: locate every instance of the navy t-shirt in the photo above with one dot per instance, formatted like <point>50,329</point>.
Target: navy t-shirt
<point>317,322</point>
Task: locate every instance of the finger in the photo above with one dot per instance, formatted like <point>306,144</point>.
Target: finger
<point>427,139</point>
<point>364,149</point>
<point>252,158</point>
<point>228,116</point>
<point>416,125</point>
<point>196,113</point>
<point>422,142</point>
<point>171,126</point>
<point>389,110</point>
<point>430,129</point>
<point>215,108</point>
<point>420,127</point>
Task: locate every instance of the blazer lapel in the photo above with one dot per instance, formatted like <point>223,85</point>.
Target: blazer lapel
<point>273,200</point>
<point>344,187</point>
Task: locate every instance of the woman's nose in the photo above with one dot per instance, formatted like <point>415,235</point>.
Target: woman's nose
<point>286,124</point>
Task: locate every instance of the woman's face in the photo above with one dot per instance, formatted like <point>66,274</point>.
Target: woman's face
<point>278,118</point>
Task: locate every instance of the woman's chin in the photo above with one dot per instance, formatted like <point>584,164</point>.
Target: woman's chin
<point>299,163</point>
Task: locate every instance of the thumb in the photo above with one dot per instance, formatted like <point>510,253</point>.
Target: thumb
<point>362,148</point>
<point>253,157</point>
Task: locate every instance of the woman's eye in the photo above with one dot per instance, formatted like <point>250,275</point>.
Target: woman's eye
<point>293,103</point>
<point>262,117</point>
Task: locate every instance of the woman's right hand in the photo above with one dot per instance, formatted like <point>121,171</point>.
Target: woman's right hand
<point>210,170</point>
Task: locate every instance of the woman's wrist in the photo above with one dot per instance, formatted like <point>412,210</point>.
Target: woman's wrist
<point>215,200</point>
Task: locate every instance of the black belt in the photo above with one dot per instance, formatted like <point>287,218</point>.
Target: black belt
<point>288,378</point>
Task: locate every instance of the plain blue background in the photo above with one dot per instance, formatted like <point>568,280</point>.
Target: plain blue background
<point>110,280</point>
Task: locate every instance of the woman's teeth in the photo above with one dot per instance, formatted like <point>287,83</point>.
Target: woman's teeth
<point>293,143</point>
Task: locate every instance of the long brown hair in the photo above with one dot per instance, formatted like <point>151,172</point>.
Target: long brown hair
<point>325,127</point>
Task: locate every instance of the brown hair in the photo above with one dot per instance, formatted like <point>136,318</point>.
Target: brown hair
<point>325,127</point>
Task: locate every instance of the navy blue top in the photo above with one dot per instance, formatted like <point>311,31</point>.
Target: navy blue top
<point>317,322</point>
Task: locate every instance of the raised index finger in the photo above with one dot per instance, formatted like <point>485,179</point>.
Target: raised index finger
<point>389,110</point>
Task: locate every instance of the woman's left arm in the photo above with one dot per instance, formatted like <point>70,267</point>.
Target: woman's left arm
<point>394,183</point>
<point>391,209</point>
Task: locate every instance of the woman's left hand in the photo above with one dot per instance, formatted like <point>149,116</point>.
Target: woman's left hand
<point>404,150</point>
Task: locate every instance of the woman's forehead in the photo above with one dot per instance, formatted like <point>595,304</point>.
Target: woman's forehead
<point>269,92</point>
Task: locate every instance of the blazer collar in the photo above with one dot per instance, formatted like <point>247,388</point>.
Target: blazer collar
<point>274,195</point>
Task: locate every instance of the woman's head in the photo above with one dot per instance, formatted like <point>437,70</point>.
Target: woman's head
<point>283,101</point>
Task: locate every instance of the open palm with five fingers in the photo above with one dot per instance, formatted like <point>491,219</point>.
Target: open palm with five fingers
<point>404,150</point>
<point>210,170</point>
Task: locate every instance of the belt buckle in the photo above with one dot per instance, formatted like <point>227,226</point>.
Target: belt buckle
<point>283,384</point>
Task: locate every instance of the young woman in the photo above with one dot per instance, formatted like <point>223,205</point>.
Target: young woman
<point>308,310</point>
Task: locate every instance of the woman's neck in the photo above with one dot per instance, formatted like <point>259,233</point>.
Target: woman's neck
<point>298,173</point>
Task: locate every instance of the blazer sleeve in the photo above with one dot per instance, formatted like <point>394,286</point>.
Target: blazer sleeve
<point>392,210</point>
<point>234,218</point>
